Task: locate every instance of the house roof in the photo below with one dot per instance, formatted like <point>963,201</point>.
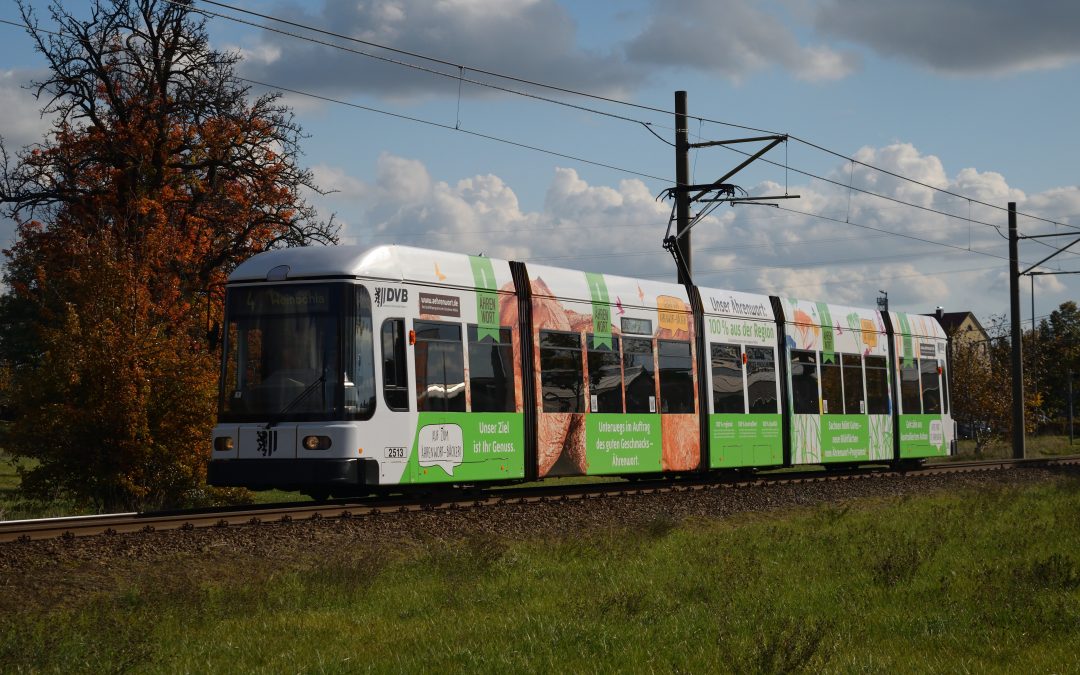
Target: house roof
<point>951,321</point>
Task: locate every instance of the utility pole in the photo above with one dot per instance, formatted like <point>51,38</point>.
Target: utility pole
<point>1014,301</point>
<point>1017,338</point>
<point>682,186</point>
<point>678,244</point>
<point>1034,341</point>
<point>1032,304</point>
<point>1070,409</point>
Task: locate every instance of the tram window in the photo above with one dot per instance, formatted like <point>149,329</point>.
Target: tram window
<point>605,376</point>
<point>909,388</point>
<point>853,384</point>
<point>639,376</point>
<point>491,372</point>
<point>440,367</point>
<point>832,388</point>
<point>804,382</point>
<point>727,378</point>
<point>395,373</point>
<point>360,361</point>
<point>561,378</point>
<point>931,386</point>
<point>289,349</point>
<point>877,385</point>
<point>676,377</point>
<point>761,379</point>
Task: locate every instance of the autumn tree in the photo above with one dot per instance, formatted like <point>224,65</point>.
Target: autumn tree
<point>1058,342</point>
<point>160,174</point>
<point>981,385</point>
<point>980,402</point>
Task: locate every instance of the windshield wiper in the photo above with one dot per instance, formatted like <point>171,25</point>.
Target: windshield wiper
<point>321,380</point>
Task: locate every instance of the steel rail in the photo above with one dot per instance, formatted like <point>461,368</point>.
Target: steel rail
<point>119,523</point>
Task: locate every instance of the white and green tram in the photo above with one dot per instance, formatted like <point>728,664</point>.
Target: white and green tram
<point>347,371</point>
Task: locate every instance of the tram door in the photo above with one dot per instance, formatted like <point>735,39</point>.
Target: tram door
<point>449,408</point>
<point>395,412</point>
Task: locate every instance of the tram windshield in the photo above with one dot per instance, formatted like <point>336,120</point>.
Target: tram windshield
<point>283,353</point>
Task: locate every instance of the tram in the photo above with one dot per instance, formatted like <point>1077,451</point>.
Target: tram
<point>347,371</point>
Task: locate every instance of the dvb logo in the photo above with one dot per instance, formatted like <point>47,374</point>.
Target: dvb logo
<point>392,296</point>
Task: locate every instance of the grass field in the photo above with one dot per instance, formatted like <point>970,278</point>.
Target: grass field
<point>1034,446</point>
<point>969,582</point>
<point>15,506</point>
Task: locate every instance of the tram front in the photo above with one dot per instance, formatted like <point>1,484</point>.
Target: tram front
<point>297,378</point>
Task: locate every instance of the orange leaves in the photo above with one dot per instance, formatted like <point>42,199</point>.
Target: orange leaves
<point>149,203</point>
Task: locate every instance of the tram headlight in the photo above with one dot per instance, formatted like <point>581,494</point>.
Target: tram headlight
<point>316,442</point>
<point>223,443</point>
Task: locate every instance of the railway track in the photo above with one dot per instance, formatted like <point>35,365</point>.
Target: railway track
<point>120,523</point>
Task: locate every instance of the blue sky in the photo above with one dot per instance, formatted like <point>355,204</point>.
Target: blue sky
<point>974,96</point>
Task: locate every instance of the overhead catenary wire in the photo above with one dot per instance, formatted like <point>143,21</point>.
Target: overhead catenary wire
<point>461,68</point>
<point>650,252</point>
<point>567,90</point>
<point>527,146</point>
<point>833,262</point>
<point>24,26</point>
<point>455,127</point>
<point>432,59</point>
<point>593,162</point>
<point>646,125</point>
<point>896,234</point>
<point>462,130</point>
<point>927,185</point>
<point>852,188</point>
<point>704,213</point>
<point>710,249</point>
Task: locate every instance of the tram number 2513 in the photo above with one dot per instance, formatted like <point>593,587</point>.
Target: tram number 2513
<point>395,453</point>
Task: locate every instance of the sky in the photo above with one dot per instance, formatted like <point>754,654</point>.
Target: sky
<point>976,98</point>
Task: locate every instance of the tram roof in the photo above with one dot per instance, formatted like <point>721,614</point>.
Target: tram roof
<point>575,285</point>
<point>808,312</point>
<point>417,265</point>
<point>921,325</point>
<point>391,263</point>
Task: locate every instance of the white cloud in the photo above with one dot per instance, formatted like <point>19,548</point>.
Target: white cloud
<point>960,36</point>
<point>264,54</point>
<point>533,39</point>
<point>20,113</point>
<point>812,40</point>
<point>403,179</point>
<point>618,229</point>
<point>733,39</point>
<point>336,180</point>
<point>21,124</point>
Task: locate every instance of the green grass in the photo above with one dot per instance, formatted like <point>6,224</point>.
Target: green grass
<point>15,506</point>
<point>278,497</point>
<point>1000,448</point>
<point>985,581</point>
